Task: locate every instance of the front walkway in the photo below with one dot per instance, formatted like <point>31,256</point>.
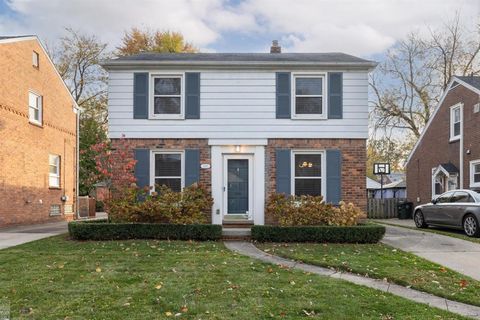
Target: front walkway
<point>248,249</point>
<point>459,255</point>
<point>14,236</point>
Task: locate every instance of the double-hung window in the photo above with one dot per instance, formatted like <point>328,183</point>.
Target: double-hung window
<point>54,171</point>
<point>475,173</point>
<point>309,96</point>
<point>307,173</point>
<point>168,170</point>
<point>35,108</point>
<point>455,122</point>
<point>167,97</point>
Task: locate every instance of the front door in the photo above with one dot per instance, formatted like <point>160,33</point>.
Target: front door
<point>238,186</point>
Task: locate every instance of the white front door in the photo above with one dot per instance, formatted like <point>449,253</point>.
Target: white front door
<point>238,186</point>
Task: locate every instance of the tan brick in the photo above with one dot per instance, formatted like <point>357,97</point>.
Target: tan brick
<point>24,148</point>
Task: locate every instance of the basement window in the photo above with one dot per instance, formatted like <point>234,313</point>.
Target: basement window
<point>55,210</point>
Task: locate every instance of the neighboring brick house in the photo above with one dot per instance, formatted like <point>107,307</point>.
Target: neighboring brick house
<point>447,155</point>
<point>244,125</point>
<point>38,136</point>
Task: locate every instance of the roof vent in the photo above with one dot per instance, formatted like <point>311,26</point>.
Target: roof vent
<point>275,48</point>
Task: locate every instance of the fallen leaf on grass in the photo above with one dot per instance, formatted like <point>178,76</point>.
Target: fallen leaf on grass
<point>463,283</point>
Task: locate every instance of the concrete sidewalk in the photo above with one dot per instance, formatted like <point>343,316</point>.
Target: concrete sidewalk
<point>459,255</point>
<point>14,236</point>
<point>248,249</point>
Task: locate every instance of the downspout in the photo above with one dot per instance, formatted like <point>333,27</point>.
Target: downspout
<point>461,148</point>
<point>77,166</point>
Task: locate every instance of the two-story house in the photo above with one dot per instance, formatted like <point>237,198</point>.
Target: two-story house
<point>244,125</point>
<point>38,136</point>
<point>447,155</point>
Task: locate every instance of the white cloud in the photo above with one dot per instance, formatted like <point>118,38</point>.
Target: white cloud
<point>357,27</point>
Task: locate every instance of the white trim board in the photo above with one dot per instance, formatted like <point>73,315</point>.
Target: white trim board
<point>435,111</point>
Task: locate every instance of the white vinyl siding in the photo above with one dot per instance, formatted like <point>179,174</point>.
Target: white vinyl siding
<point>238,104</point>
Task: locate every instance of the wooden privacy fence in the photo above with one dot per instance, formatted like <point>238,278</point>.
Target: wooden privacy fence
<point>383,208</point>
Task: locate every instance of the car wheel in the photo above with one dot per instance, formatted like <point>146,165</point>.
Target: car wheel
<point>419,219</point>
<point>470,226</point>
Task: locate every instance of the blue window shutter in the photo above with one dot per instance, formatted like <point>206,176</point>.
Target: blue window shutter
<point>140,95</point>
<point>335,95</point>
<point>192,166</point>
<point>142,167</point>
<point>334,176</point>
<point>192,95</point>
<point>283,171</point>
<point>283,95</point>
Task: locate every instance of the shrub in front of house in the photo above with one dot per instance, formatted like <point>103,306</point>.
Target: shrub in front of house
<point>310,219</point>
<point>361,233</point>
<point>311,211</point>
<point>189,206</point>
<point>100,230</point>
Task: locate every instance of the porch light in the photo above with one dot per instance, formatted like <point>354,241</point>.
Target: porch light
<point>237,148</point>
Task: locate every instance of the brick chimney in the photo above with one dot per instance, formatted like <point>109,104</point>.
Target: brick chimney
<point>275,48</point>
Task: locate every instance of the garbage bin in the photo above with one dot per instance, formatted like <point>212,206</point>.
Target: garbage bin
<point>405,210</point>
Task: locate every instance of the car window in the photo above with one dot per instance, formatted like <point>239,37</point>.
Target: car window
<point>444,198</point>
<point>461,196</point>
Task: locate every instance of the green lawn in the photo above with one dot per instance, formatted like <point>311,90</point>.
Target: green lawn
<point>383,262</point>
<point>56,278</point>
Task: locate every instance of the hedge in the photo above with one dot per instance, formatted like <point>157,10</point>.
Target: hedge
<point>363,233</point>
<point>100,230</point>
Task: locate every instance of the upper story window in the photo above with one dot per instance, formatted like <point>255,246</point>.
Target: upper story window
<point>35,59</point>
<point>35,109</point>
<point>168,170</point>
<point>307,173</point>
<point>455,122</point>
<point>54,171</point>
<point>474,173</point>
<point>167,97</point>
<point>309,96</point>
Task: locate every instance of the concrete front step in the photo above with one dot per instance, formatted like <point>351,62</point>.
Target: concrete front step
<point>237,224</point>
<point>236,234</point>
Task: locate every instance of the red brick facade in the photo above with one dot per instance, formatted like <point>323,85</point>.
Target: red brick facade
<point>435,147</point>
<point>25,195</point>
<point>353,160</point>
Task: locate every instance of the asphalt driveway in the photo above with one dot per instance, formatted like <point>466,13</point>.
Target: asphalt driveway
<point>14,236</point>
<point>459,255</point>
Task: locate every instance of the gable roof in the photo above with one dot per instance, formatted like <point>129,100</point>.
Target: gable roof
<point>9,39</point>
<point>449,167</point>
<point>15,37</point>
<point>455,80</point>
<point>474,81</point>
<point>212,59</point>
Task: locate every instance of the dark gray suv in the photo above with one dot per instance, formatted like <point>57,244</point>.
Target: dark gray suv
<point>459,209</point>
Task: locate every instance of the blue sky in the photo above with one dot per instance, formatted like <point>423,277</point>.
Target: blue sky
<point>361,27</point>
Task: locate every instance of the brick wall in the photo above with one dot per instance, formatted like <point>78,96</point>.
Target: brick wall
<point>172,144</point>
<point>435,147</point>
<point>353,166</point>
<point>353,160</point>
<point>25,196</point>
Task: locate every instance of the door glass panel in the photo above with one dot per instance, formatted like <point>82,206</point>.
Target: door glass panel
<point>237,184</point>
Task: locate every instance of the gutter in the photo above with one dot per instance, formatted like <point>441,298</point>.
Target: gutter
<point>110,64</point>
